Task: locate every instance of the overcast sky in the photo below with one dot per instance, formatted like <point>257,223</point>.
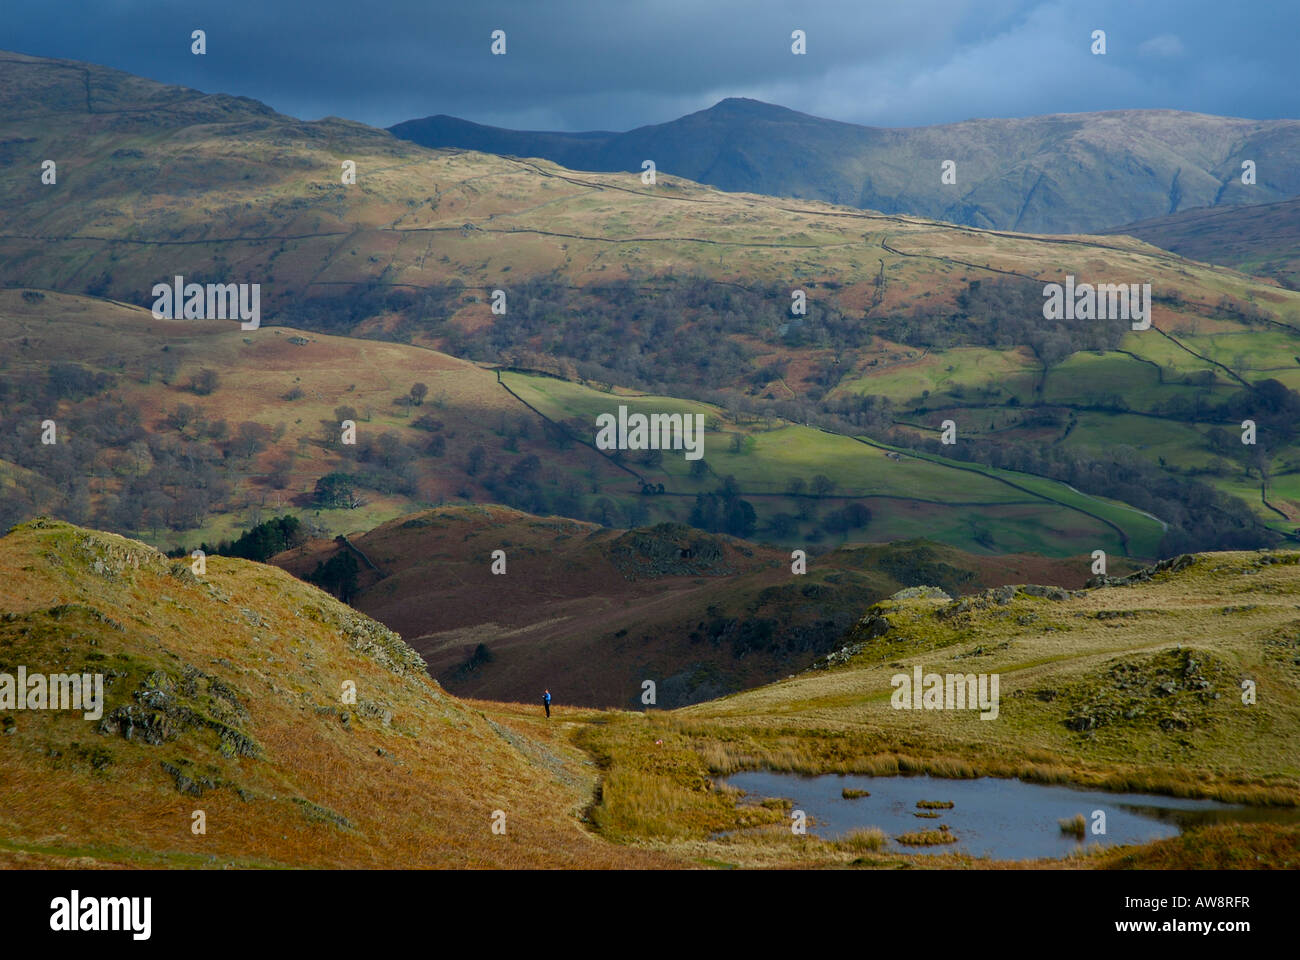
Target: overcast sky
<point>618,64</point>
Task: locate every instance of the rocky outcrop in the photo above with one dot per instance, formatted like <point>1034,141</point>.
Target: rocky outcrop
<point>669,550</point>
<point>1172,565</point>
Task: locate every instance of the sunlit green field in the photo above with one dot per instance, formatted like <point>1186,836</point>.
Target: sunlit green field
<point>977,508</point>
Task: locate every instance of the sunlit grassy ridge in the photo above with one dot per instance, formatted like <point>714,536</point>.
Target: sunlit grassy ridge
<point>274,206</point>
<point>1236,612</point>
<point>230,684</point>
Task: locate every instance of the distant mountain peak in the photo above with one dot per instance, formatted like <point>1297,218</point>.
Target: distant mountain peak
<point>748,107</point>
<point>743,102</point>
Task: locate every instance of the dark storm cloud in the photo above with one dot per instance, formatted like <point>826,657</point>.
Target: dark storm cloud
<point>616,64</point>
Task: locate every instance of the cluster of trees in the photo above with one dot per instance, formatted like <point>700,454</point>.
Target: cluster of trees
<point>259,543</point>
<point>665,332</point>
<point>161,481</point>
<point>144,479</point>
<point>337,575</point>
<point>343,313</point>
<point>671,331</point>
<point>387,462</point>
<point>71,381</point>
<point>1275,411</point>
<point>853,516</point>
<point>337,491</point>
<point>1004,313</point>
<point>723,511</point>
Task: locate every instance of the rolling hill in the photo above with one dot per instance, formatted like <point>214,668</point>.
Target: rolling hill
<point>1062,173</point>
<point>224,693</point>
<point>592,613</point>
<point>144,447</point>
<point>679,291</point>
<point>1263,239</point>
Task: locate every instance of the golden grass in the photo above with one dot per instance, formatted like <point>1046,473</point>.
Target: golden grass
<point>1234,846</point>
<point>407,777</point>
<point>827,722</point>
<point>864,840</point>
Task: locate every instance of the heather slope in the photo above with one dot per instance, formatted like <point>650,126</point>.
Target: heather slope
<point>593,613</point>
<point>1263,238</point>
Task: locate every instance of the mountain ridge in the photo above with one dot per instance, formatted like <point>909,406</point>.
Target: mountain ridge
<point>1024,168</point>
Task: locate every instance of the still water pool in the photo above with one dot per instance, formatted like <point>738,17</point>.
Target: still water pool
<point>997,818</point>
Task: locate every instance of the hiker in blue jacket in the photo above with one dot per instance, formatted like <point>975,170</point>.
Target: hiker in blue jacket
<point>546,702</point>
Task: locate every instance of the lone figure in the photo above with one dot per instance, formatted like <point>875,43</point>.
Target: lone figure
<point>546,702</point>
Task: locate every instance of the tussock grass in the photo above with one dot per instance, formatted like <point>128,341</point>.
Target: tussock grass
<point>864,840</point>
<point>1227,846</point>
<point>928,838</point>
<point>662,792</point>
<point>1075,825</point>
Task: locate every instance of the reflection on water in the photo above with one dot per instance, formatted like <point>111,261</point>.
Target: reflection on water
<point>1002,819</point>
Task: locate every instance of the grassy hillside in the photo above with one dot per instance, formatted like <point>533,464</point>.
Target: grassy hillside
<point>141,451</point>
<point>1130,686</point>
<point>679,290</point>
<point>910,496</point>
<point>275,212</point>
<point>223,693</point>
<point>1064,173</point>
